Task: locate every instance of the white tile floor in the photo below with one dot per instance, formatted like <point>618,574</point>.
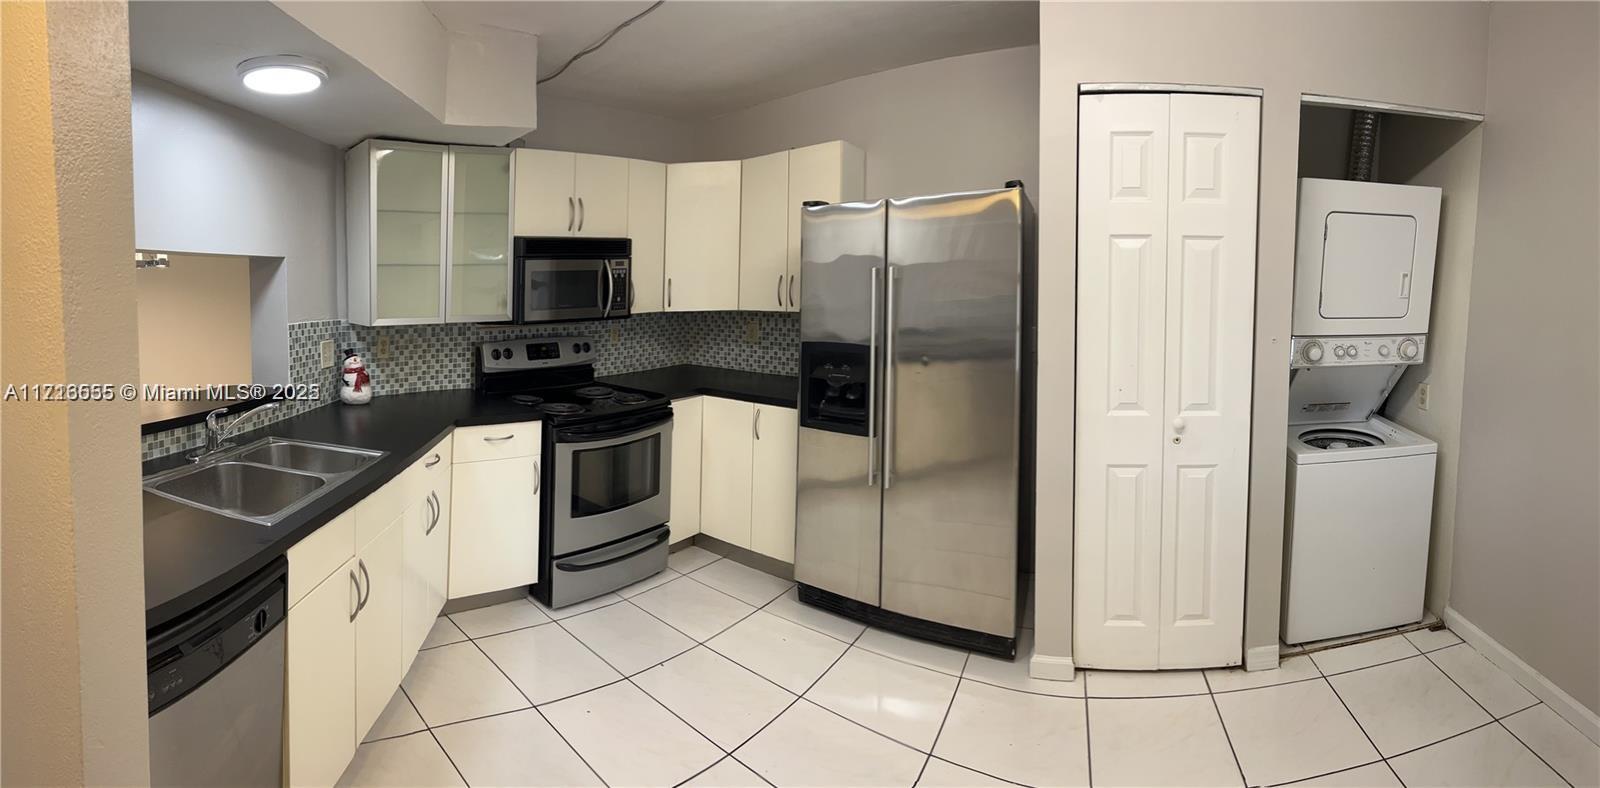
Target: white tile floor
<point>714,674</point>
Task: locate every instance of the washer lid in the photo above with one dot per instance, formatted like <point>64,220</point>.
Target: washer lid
<point>1374,439</point>
<point>1328,395</point>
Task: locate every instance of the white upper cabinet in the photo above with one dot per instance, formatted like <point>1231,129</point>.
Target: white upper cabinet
<point>702,257</point>
<point>831,172</point>
<point>647,226</point>
<point>560,193</point>
<point>764,233</point>
<point>480,231</point>
<point>602,194</point>
<point>546,204</point>
<point>409,224</point>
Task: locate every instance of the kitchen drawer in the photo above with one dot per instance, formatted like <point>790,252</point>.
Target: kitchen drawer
<point>435,462</point>
<point>497,442</point>
<point>319,555</point>
<point>378,510</point>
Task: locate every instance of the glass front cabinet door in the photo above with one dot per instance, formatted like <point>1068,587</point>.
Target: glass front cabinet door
<point>428,229</point>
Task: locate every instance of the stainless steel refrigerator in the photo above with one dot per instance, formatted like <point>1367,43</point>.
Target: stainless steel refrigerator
<point>915,452</point>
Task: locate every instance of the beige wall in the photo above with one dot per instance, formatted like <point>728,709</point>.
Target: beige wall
<point>194,321</point>
<point>584,127</point>
<point>72,659</point>
<point>967,122</point>
<point>1446,154</point>
<point>1527,548</point>
<point>1424,54</point>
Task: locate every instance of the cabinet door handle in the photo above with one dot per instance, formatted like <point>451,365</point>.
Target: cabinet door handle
<point>792,304</point>
<point>497,439</point>
<point>355,584</point>
<point>780,290</point>
<point>365,597</point>
<point>581,213</point>
<point>438,512</point>
<point>537,483</point>
<point>432,461</point>
<point>757,424</point>
<point>572,213</point>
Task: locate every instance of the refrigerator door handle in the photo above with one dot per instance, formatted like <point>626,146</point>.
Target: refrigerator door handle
<point>872,374</point>
<point>888,379</point>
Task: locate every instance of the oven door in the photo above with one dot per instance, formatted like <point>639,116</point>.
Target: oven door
<point>611,481</point>
<point>550,290</point>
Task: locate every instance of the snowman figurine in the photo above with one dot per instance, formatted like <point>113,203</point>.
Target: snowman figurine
<point>356,386</point>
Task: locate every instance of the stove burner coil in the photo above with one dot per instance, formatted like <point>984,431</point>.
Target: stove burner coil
<point>629,398</point>
<point>595,392</point>
<point>527,399</point>
<point>561,408</point>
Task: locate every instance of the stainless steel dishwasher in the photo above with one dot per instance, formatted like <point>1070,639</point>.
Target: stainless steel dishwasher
<point>216,688</point>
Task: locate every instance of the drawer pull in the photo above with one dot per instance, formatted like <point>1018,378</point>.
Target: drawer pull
<point>432,461</point>
<point>497,439</point>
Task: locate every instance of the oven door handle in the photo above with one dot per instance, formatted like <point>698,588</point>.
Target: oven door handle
<point>622,430</point>
<point>569,566</point>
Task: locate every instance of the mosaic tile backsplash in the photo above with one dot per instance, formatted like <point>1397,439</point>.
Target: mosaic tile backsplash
<point>409,359</point>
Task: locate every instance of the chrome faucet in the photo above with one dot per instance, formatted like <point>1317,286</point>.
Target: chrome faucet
<point>217,434</point>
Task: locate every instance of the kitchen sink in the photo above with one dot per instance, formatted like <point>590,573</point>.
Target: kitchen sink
<point>305,456</point>
<point>262,482</point>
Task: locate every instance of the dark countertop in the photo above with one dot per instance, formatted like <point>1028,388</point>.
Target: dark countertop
<point>688,380</point>
<point>191,555</point>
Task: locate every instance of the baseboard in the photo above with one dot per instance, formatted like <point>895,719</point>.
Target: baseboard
<point>1261,657</point>
<point>1586,721</point>
<point>1043,666</point>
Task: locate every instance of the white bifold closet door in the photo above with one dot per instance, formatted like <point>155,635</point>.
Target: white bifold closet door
<point>1167,199</point>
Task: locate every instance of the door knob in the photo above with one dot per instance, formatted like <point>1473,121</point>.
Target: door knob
<point>1178,424</point>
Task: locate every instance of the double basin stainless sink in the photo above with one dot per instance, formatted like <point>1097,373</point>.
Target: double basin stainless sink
<point>263,481</point>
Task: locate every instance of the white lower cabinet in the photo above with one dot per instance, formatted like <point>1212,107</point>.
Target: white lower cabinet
<point>320,680</point>
<point>747,468</point>
<point>494,509</point>
<point>427,551</point>
<point>687,416</point>
<point>379,663</point>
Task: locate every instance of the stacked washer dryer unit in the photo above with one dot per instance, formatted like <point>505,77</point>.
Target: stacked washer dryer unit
<point>1360,496</point>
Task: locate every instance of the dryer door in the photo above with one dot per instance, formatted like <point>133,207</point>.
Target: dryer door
<point>1366,265</point>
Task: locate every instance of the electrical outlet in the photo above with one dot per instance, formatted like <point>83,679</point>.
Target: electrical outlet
<point>327,353</point>
<point>616,335</point>
<point>752,330</point>
<point>1422,397</point>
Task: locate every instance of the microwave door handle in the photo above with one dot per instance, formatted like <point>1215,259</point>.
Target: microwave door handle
<point>610,286</point>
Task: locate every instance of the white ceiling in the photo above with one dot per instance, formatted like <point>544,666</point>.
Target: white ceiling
<point>197,45</point>
<point>698,58</point>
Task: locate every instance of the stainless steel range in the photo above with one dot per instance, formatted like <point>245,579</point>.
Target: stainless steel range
<point>607,474</point>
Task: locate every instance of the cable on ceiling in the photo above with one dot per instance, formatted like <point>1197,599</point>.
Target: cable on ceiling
<point>602,42</point>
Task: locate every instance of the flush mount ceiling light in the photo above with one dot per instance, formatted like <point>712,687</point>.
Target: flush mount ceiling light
<point>282,75</point>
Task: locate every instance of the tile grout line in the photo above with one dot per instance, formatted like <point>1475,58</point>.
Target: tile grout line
<point>1326,774</point>
<point>934,745</point>
<point>1088,734</point>
<point>1353,718</point>
<point>1228,737</point>
<point>1498,720</point>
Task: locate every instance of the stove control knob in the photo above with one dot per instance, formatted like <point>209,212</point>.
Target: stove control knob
<point>1383,350</point>
<point>1312,352</point>
<point>495,354</point>
<point>586,347</point>
<point>577,348</point>
<point>1408,348</point>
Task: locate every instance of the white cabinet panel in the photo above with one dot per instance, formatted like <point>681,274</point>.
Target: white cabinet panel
<point>496,441</point>
<point>647,226</point>
<point>427,551</point>
<point>764,233</point>
<point>728,438</point>
<point>545,203</point>
<point>831,172</point>
<point>378,659</point>
<point>320,681</point>
<point>494,525</point>
<point>318,556</point>
<point>702,249</point>
<point>602,193</point>
<point>480,234</point>
<point>1167,204</point>
<point>772,486</point>
<point>687,417</point>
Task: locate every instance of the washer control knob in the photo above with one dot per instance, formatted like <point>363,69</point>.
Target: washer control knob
<point>1383,350</point>
<point>1351,351</point>
<point>1338,351</point>
<point>1408,348</point>
<point>1312,352</point>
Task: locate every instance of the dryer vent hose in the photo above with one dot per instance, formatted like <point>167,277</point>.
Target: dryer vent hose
<point>1363,146</point>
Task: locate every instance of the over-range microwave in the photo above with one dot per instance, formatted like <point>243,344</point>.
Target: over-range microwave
<point>563,278</point>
